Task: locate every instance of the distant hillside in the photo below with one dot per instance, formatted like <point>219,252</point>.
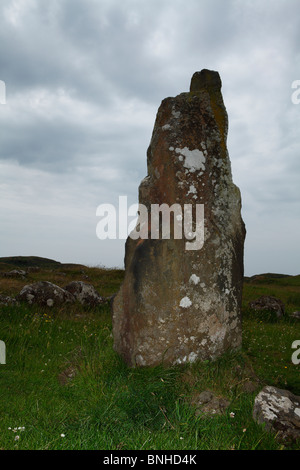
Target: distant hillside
<point>266,277</point>
<point>26,261</point>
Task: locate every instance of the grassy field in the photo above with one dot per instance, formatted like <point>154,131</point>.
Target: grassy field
<point>64,387</point>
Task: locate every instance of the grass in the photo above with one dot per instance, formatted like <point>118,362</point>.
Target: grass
<point>66,388</point>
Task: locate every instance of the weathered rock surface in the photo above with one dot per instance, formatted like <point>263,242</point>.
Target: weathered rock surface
<point>207,403</point>
<point>179,303</point>
<point>85,293</point>
<point>16,274</point>
<point>280,411</point>
<point>45,293</point>
<point>6,300</point>
<point>268,302</point>
<point>295,314</point>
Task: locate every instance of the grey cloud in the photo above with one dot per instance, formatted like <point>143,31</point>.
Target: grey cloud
<point>96,72</point>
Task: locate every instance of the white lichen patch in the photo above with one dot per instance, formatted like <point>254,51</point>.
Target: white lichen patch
<point>166,127</point>
<point>140,360</point>
<point>192,190</point>
<point>190,358</point>
<point>194,159</point>
<point>185,302</point>
<point>176,114</point>
<point>194,279</point>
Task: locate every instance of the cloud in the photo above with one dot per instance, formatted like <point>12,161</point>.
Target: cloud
<point>84,80</point>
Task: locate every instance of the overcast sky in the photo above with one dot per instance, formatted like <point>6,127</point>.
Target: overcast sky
<point>84,80</point>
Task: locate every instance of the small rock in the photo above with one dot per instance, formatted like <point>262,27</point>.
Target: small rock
<point>208,404</point>
<point>204,397</point>
<point>249,386</point>
<point>6,301</point>
<point>67,375</point>
<point>45,293</point>
<point>85,293</point>
<point>16,274</point>
<point>33,269</point>
<point>280,411</point>
<point>267,302</point>
<point>295,315</point>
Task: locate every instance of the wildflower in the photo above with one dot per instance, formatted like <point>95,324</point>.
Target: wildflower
<point>232,415</point>
<point>17,438</point>
<point>62,435</point>
<point>244,430</point>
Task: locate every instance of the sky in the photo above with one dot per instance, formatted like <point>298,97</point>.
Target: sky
<point>83,80</point>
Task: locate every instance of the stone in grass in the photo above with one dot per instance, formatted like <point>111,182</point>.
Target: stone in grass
<point>268,302</point>
<point>207,404</point>
<point>280,411</point>
<point>85,293</point>
<point>7,301</point>
<point>15,274</point>
<point>46,294</point>
<point>295,315</point>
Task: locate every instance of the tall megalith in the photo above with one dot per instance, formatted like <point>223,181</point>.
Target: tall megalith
<point>181,296</point>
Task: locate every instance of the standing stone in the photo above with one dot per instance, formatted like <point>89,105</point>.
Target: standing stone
<point>178,304</point>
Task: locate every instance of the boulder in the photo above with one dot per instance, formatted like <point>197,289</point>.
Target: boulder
<point>280,411</point>
<point>45,293</point>
<point>15,274</point>
<point>181,296</point>
<point>7,301</point>
<point>295,314</point>
<point>85,293</point>
<point>267,302</point>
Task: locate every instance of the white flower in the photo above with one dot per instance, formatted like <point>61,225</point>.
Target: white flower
<point>232,415</point>
<point>62,435</point>
<point>17,438</point>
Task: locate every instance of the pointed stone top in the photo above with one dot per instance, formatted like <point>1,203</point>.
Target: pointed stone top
<point>206,79</point>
